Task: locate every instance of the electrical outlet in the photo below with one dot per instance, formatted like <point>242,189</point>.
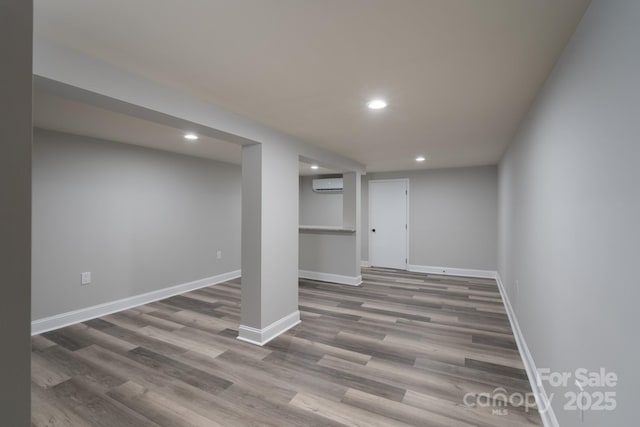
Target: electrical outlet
<point>219,255</point>
<point>85,278</point>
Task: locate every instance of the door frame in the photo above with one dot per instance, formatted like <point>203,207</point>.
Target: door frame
<point>407,181</point>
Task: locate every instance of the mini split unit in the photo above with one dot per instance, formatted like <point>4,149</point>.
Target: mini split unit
<point>327,185</point>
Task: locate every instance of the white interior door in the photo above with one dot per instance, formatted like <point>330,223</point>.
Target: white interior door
<point>388,223</point>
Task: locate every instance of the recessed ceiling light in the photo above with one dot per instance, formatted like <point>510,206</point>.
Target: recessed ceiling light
<point>377,104</point>
<point>314,166</point>
<point>420,159</point>
<point>190,136</point>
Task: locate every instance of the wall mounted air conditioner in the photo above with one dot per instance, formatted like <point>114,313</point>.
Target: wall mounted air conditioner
<point>327,185</point>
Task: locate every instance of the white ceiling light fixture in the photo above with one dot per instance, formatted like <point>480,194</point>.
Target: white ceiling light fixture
<point>314,166</point>
<point>190,136</point>
<point>420,159</point>
<point>377,104</point>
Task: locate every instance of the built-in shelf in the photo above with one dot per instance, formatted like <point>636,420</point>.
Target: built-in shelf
<point>326,228</point>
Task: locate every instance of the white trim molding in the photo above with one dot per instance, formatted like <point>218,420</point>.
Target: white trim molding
<point>364,263</point>
<point>82,315</point>
<point>449,271</point>
<point>542,400</point>
<point>262,336</point>
<point>331,278</point>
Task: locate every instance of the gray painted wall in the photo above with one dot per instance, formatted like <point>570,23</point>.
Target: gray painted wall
<point>325,251</point>
<point>279,207</point>
<point>16,29</point>
<point>569,212</point>
<point>319,208</point>
<point>328,252</point>
<point>352,217</point>
<point>139,219</point>
<point>453,216</point>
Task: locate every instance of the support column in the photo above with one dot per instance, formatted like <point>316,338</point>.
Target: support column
<point>16,29</point>
<point>351,218</point>
<point>270,209</point>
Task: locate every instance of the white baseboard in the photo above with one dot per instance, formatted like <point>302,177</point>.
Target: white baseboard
<point>542,400</point>
<point>364,263</point>
<point>332,278</point>
<point>65,319</point>
<point>262,336</point>
<point>449,271</point>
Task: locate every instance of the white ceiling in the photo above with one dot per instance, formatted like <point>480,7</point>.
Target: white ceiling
<point>305,170</point>
<point>64,115</point>
<point>57,113</point>
<point>458,74</point>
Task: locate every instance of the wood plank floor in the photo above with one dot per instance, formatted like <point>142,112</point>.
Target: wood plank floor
<point>402,349</point>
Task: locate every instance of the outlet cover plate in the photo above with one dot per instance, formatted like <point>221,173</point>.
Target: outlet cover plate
<point>85,278</point>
